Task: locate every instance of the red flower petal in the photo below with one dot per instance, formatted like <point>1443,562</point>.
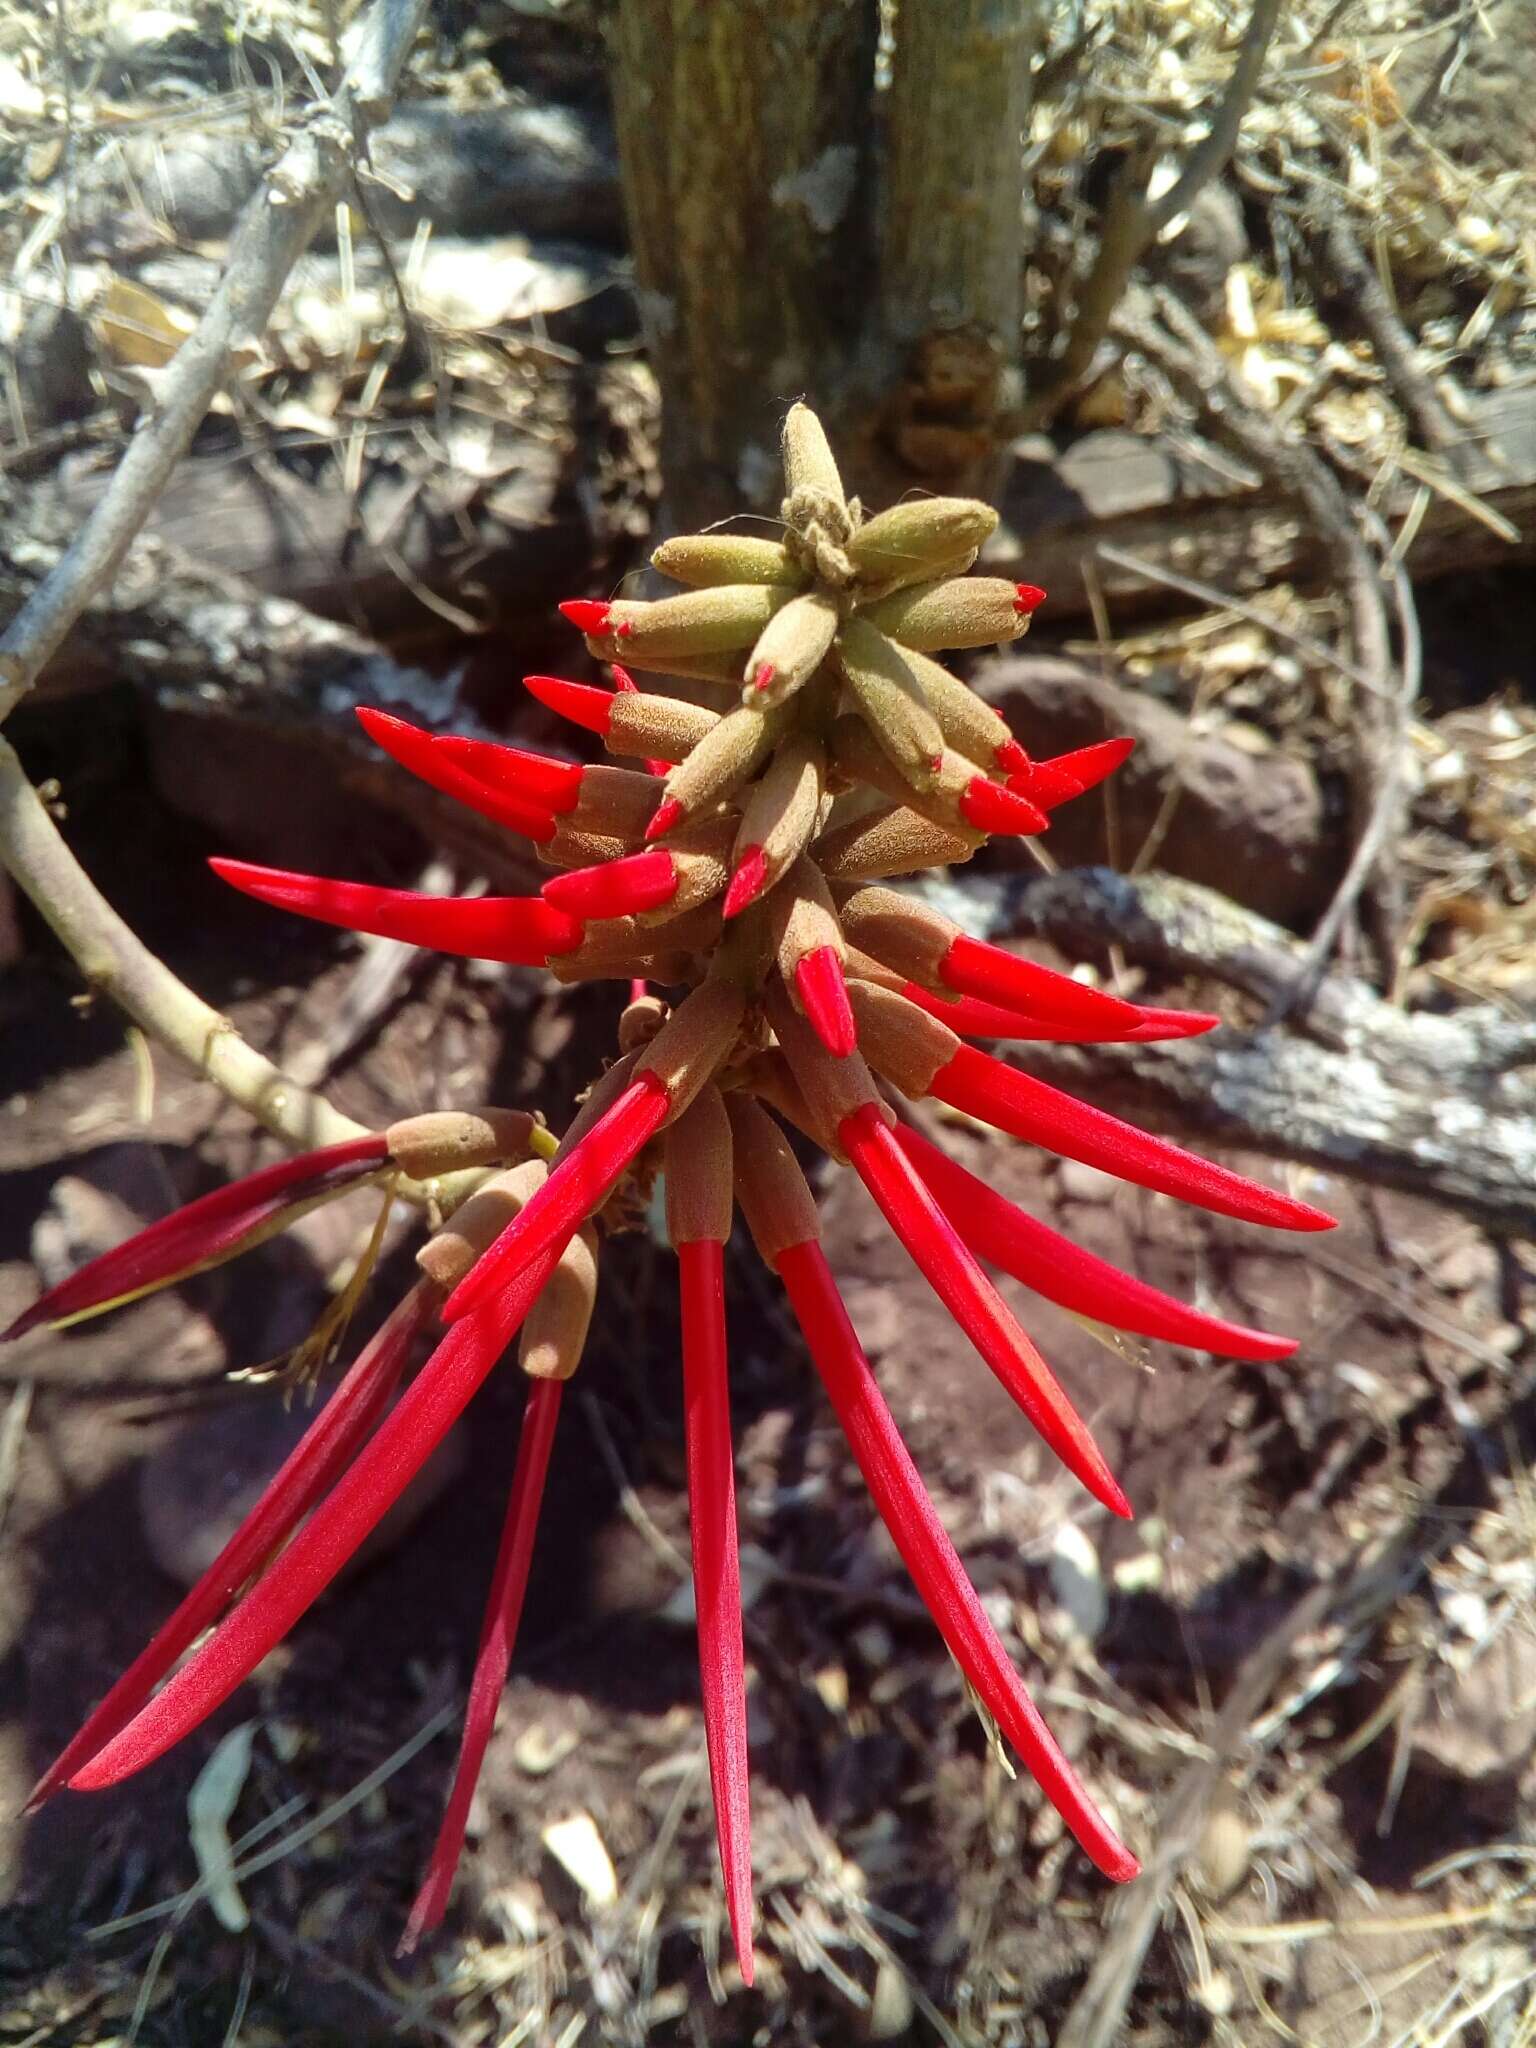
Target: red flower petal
<point>617,888</point>
<point>426,756</point>
<point>538,779</point>
<point>824,998</point>
<point>579,702</point>
<point>577,1186</point>
<point>717,1574</point>
<point>1028,597</point>
<point>973,1018</point>
<point>747,882</point>
<point>525,931</point>
<point>1011,758</point>
<point>356,1504</point>
<point>1057,781</point>
<point>1026,1108</point>
<point>310,1468</point>
<point>997,1230</point>
<point>201,1233</point>
<point>972,1300</point>
<point>498,1637</point>
<point>928,1554</point>
<point>973,968</point>
<point>993,807</point>
<point>669,812</point>
<point>586,614</point>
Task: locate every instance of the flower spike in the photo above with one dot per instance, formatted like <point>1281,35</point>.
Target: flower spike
<point>928,1553</point>
<point>498,1638</point>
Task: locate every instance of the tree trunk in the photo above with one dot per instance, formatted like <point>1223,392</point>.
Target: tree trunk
<point>776,256</point>
<point>745,140</point>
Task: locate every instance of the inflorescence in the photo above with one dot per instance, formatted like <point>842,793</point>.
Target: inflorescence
<point>740,870</point>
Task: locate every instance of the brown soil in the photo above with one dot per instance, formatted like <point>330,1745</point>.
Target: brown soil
<point>901,1874</point>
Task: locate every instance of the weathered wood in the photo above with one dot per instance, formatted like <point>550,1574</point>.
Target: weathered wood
<point>1443,1106</point>
<point>1183,509</point>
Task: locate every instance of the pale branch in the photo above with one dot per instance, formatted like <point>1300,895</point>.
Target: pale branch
<point>274,229</point>
<point>1133,219</point>
<point>1441,1105</point>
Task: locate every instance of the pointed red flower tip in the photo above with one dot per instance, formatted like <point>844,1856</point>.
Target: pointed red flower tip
<point>1158,1025</point>
<point>355,1506</point>
<point>717,1574</point>
<point>1057,781</point>
<point>579,702</point>
<point>1028,597</point>
<point>539,779</point>
<point>1011,758</point>
<point>747,882</point>
<point>313,1465</point>
<point>436,762</point>
<point>201,1233</point>
<point>823,996</point>
<point>952,1272</point>
<point>498,1639</point>
<point>1041,1115</point>
<point>587,614</point>
<point>578,1184</point>
<point>524,931</point>
<point>973,1018</point>
<point>763,679</point>
<point>996,1230</point>
<point>669,812</point>
<point>616,888</point>
<point>929,1555</point>
<point>973,968</point>
<point>993,807</point>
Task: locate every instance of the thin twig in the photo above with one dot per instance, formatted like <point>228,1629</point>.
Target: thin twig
<point>273,232</point>
<point>1133,219</point>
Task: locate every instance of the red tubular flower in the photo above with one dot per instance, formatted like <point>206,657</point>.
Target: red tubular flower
<point>576,1187</point>
<point>973,968</point>
<point>524,931</point>
<point>586,614</point>
<point>747,881</point>
<point>994,807</point>
<point>928,1554</point>
<point>1028,598</point>
<point>313,1465</point>
<point>669,812</point>
<point>973,1018</point>
<point>998,1231</point>
<point>498,1638</point>
<point>1026,1108</point>
<point>441,764</point>
<point>617,888</point>
<point>717,1573</point>
<point>355,1506</point>
<point>972,1300</point>
<point>203,1233</point>
<point>824,998</point>
<point>1064,776</point>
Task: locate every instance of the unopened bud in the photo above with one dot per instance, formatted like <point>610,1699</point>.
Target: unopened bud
<point>780,1209</point>
<point>783,808</point>
<point>555,1332</point>
<point>971,727</point>
<point>790,649</point>
<point>962,611</point>
<point>444,1140</point>
<point>698,622</point>
<point>646,726</point>
<point>695,1040</point>
<point>919,539</point>
<point>801,918</point>
<point>896,841</point>
<point>697,1161</point>
<point>617,803</point>
<point>705,559</point>
<point>724,758</point>
<point>833,1088</point>
<point>891,700</point>
<point>901,932</point>
<point>809,463</point>
<point>701,855</point>
<point>477,1223</point>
